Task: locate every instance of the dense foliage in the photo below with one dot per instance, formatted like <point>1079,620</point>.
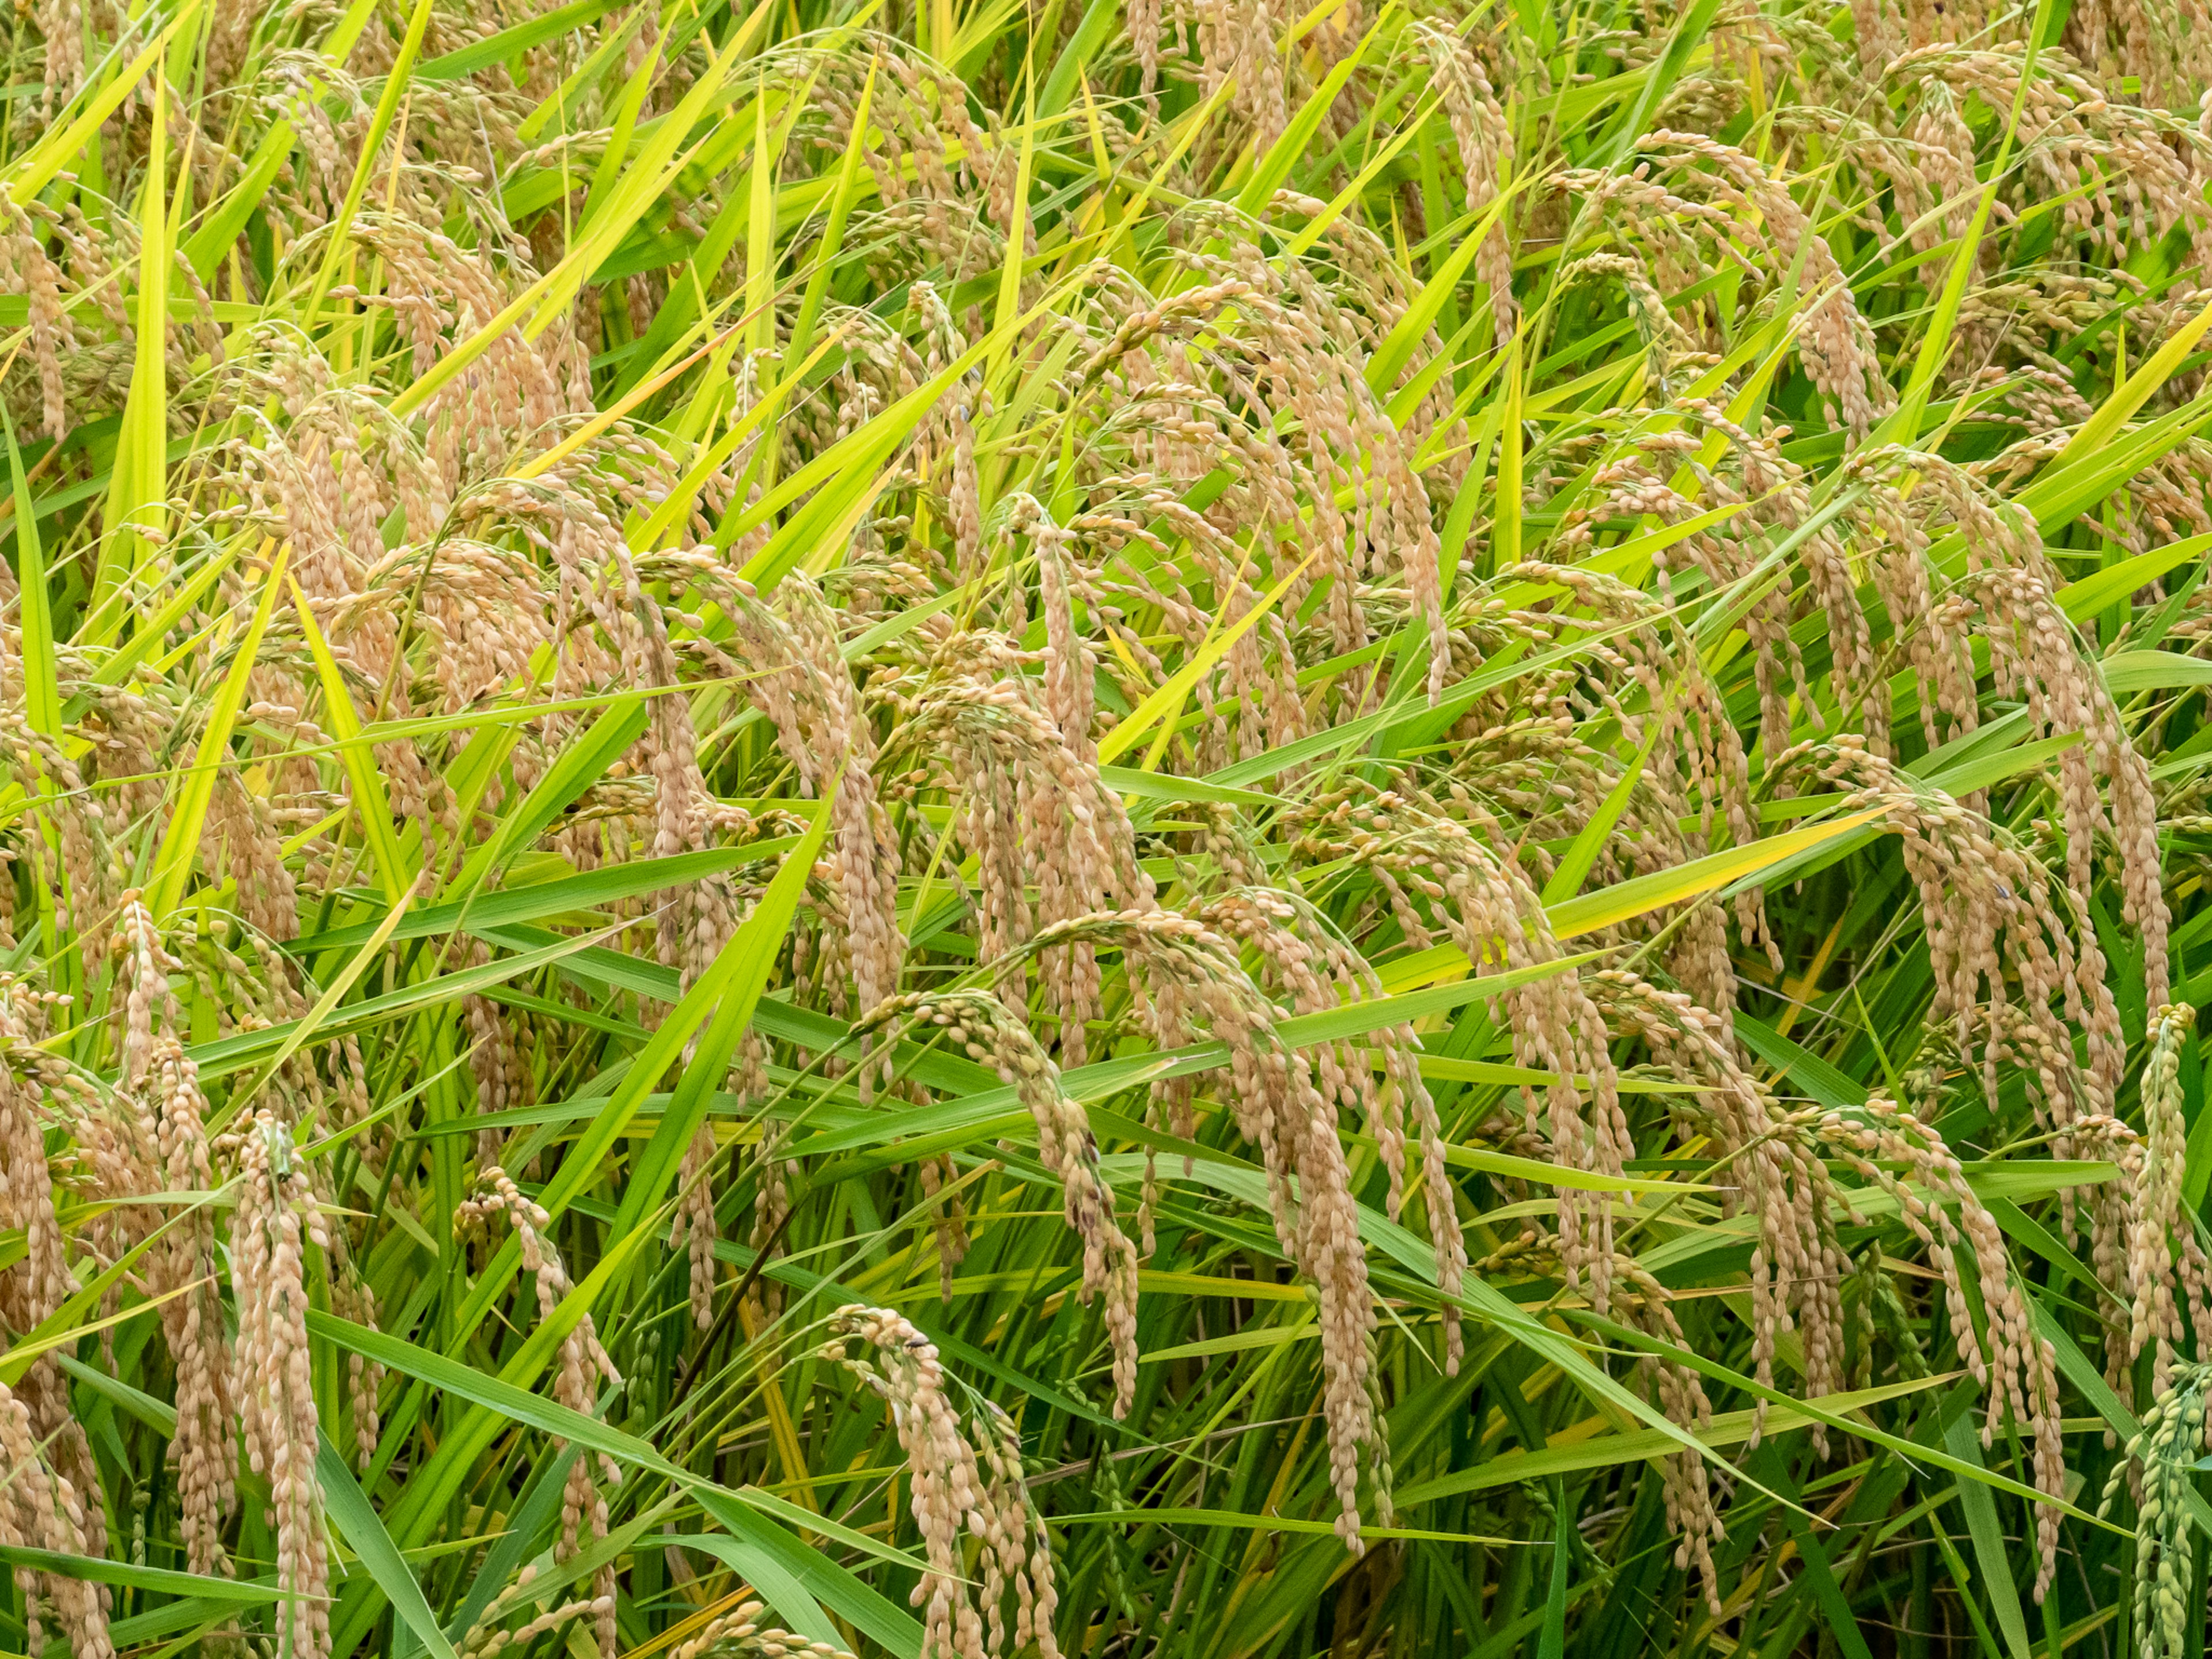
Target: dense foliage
<point>969,827</point>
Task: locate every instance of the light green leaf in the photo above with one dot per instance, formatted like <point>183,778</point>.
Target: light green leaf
<point>180,845</point>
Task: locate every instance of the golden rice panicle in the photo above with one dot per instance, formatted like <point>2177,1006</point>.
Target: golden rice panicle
<point>1986,903</point>
<point>2019,1368</point>
<point>1687,193</point>
<point>26,269</point>
<point>41,1510</point>
<point>740,1634</point>
<point>487,1638</point>
<point>2159,44</point>
<point>710,922</point>
<point>2035,658</point>
<point>1936,186</point>
<point>788,655</point>
<point>1251,699</point>
<point>1289,342</point>
<point>1301,956</point>
<point>204,1450</point>
<point>145,965</point>
<point>62,23</point>
<point>33,1085</point>
<point>1017,1549</point>
<point>353,1299</point>
<point>943,342</point>
<point>2136,1262</point>
<point>580,1365</point>
<point>41,1282</point>
<point>1071,663</point>
<point>240,840</point>
<point>1485,137</point>
<point>1437,876</point>
<point>979,1024</point>
<point>950,1493</point>
<point>773,1174</point>
<point>1686,1486</point>
<point>275,1219</point>
<point>1797,1260</point>
<point>74,868</point>
<point>939,1181</point>
<point>1696,763</point>
<point>1071,973</point>
<point>504,1081</point>
<point>1728,465</point>
<point>1182,971</point>
<point>694,1230</point>
<point>1030,808</point>
<point>1238,54</point>
<point>2150,1258</point>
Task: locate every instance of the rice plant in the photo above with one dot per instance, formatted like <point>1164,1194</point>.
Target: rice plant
<point>957,830</point>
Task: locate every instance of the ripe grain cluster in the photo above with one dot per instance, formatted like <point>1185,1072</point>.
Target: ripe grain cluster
<point>963,829</point>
